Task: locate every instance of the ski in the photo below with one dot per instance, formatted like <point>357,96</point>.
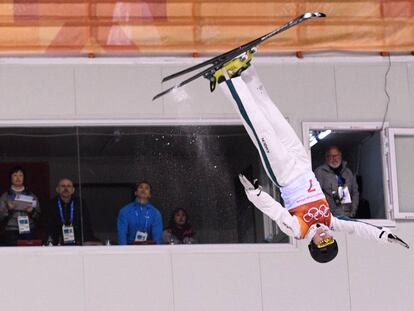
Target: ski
<point>246,46</point>
<point>208,71</point>
<point>218,61</point>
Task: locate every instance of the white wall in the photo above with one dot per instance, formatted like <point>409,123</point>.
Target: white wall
<point>365,276</point>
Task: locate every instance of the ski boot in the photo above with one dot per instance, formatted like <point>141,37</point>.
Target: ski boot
<point>232,68</point>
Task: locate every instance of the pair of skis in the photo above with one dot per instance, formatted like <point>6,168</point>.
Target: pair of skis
<point>216,63</point>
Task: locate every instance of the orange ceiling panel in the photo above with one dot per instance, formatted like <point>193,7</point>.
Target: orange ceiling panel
<point>109,27</point>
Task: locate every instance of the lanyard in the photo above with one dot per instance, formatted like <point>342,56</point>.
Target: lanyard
<point>72,210</point>
<point>340,180</point>
<point>146,217</point>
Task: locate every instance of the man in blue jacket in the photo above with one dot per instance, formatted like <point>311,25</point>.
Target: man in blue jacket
<point>140,221</point>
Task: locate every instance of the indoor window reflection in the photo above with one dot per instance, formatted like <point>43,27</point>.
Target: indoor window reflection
<point>44,156</point>
<point>192,167</point>
<point>82,177</point>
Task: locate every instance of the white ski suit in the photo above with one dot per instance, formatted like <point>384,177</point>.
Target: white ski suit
<point>287,165</point>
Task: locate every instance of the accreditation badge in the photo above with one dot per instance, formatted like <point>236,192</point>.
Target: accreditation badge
<point>24,224</point>
<point>68,234</point>
<point>141,236</point>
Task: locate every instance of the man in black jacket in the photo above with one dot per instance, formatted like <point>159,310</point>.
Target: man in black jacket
<point>66,222</point>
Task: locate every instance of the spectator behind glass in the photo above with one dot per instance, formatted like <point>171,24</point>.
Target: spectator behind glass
<point>63,212</point>
<point>19,209</point>
<point>139,221</point>
<point>338,183</point>
<point>179,230</point>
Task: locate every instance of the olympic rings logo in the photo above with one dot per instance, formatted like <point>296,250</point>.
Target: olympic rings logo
<point>315,213</point>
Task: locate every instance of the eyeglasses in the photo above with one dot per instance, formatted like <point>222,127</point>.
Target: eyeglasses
<point>326,242</point>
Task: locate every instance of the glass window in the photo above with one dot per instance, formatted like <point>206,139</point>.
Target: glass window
<point>190,167</point>
<point>361,152</point>
<point>402,174</point>
<point>45,155</point>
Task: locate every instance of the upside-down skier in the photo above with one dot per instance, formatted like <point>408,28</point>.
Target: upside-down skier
<point>306,214</point>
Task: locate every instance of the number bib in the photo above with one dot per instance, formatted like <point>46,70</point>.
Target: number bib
<point>24,224</point>
<point>312,213</point>
<point>305,189</point>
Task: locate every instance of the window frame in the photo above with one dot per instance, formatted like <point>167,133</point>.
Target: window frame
<point>392,132</point>
<point>361,126</point>
<point>134,122</point>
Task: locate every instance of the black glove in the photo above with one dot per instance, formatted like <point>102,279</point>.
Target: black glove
<point>392,238</point>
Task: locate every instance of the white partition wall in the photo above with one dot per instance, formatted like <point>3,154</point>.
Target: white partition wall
<point>401,151</point>
<point>364,276</point>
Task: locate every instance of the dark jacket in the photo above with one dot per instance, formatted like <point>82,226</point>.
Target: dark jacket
<point>53,222</point>
<point>171,236</point>
<point>329,183</point>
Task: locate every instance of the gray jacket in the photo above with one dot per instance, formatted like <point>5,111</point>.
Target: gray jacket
<point>11,215</point>
<point>329,184</point>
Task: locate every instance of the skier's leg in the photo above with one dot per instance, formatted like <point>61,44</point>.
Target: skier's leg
<point>251,134</point>
<point>279,163</point>
<point>287,135</point>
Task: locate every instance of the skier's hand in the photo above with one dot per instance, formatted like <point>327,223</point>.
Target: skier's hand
<point>392,238</point>
<point>248,186</point>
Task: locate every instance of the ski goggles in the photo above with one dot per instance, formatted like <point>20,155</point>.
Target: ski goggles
<point>325,242</point>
